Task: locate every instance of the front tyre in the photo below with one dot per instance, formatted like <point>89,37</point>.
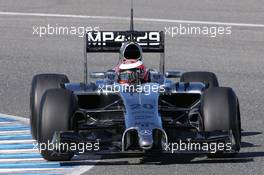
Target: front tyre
<point>56,109</point>
<point>40,84</point>
<point>220,112</point>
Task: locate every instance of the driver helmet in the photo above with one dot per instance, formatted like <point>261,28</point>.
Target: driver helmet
<point>132,72</point>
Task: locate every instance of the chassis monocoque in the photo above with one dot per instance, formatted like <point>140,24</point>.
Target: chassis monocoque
<point>155,116</point>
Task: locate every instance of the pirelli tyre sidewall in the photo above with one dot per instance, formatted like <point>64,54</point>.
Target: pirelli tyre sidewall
<point>207,78</point>
<point>220,112</point>
<point>41,83</point>
<point>56,110</point>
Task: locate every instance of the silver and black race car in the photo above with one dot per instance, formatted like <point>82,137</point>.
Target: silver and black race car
<point>173,111</point>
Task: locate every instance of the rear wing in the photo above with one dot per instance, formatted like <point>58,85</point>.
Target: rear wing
<point>111,41</point>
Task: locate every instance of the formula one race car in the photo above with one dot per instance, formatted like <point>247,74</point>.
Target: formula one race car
<point>157,114</point>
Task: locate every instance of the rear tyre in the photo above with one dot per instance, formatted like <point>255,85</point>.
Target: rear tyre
<point>207,78</point>
<point>220,112</point>
<point>56,110</point>
<point>41,83</point>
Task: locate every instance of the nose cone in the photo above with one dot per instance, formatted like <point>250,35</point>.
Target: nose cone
<point>145,139</point>
<point>146,144</point>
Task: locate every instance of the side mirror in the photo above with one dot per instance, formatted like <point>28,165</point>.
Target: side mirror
<point>100,75</point>
<point>174,74</point>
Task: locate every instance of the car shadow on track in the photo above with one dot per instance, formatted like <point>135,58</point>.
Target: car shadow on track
<point>248,144</point>
<point>250,133</point>
<point>243,157</point>
<point>245,144</point>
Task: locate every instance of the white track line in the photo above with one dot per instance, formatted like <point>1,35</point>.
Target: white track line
<point>84,168</point>
<point>21,170</point>
<point>15,151</point>
<point>16,141</point>
<point>20,119</point>
<point>80,170</point>
<point>6,123</point>
<point>126,19</point>
<point>14,132</point>
<point>22,160</point>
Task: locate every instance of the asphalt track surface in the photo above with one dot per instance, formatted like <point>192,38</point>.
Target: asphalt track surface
<point>237,59</point>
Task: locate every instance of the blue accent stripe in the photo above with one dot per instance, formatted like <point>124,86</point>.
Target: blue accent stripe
<point>33,165</point>
<point>16,146</point>
<point>20,156</point>
<point>36,174</point>
<point>2,119</point>
<point>16,137</point>
<point>14,128</point>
